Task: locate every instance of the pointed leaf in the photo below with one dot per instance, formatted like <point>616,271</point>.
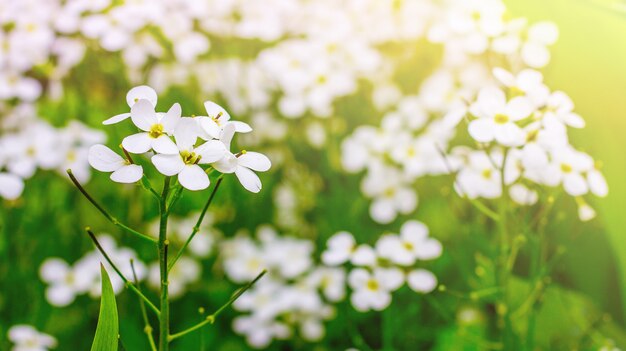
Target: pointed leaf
<point>106,338</point>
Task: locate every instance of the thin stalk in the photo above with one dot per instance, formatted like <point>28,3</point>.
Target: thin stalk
<point>504,321</point>
<point>106,214</point>
<point>211,319</point>
<point>164,318</point>
<point>147,327</point>
<point>119,273</point>
<point>196,228</point>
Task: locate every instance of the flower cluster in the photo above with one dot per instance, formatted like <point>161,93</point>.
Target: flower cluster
<point>27,338</point>
<point>65,281</point>
<point>522,128</point>
<point>180,145</point>
<point>295,295</point>
<point>378,271</point>
<point>30,143</point>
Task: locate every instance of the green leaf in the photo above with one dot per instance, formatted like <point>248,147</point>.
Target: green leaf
<point>108,326</point>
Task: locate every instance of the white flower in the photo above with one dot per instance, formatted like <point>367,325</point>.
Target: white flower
<point>27,338</point>
<point>373,290</point>
<point>497,117</point>
<point>479,177</point>
<point>65,282</point>
<point>105,160</point>
<point>185,163</point>
<point>421,281</point>
<point>217,118</point>
<point>331,281</point>
<point>142,92</point>
<point>243,164</point>
<point>155,129</point>
<point>412,244</point>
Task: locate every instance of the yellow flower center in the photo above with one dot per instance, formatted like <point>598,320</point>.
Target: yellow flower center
<point>407,245</point>
<point>501,119</point>
<point>390,192</point>
<point>411,151</point>
<point>372,284</point>
<point>487,173</point>
<point>189,157</point>
<point>566,168</point>
<point>532,135</point>
<point>156,130</point>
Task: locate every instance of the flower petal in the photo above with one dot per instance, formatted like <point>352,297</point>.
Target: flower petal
<point>482,130</point>
<point>164,145</point>
<point>209,126</point>
<point>241,127</point>
<point>137,143</point>
<point>248,179</point>
<point>11,186</point>
<point>422,281</point>
<point>255,161</point>
<point>141,92</point>
<point>211,151</point>
<point>213,110</point>
<point>104,159</point>
<point>116,118</point>
<point>171,118</point>
<point>143,115</point>
<point>194,178</point>
<point>168,165</point>
<point>127,174</point>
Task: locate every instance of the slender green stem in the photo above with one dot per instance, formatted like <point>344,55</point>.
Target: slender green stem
<point>147,327</point>
<point>211,319</point>
<point>504,272</point>
<point>106,214</point>
<point>196,228</point>
<point>119,273</point>
<point>164,318</point>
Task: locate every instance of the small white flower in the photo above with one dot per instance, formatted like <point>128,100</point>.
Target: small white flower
<point>373,290</point>
<point>185,163</point>
<point>156,129</point>
<point>412,244</point>
<point>497,117</point>
<point>243,164</point>
<point>64,281</point>
<point>142,92</point>
<point>217,118</point>
<point>27,338</point>
<point>105,160</point>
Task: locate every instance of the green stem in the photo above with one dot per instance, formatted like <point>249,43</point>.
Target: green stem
<point>164,318</point>
<point>144,315</point>
<point>196,228</point>
<point>106,214</point>
<point>504,318</point>
<point>211,319</point>
<point>119,273</point>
